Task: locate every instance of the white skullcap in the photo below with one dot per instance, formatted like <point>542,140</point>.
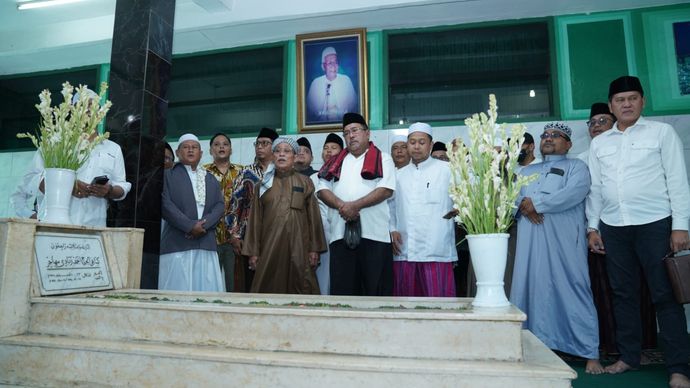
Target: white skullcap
<point>420,127</point>
<point>188,136</point>
<point>399,138</point>
<point>327,51</point>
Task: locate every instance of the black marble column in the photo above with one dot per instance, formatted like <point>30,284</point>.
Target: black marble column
<point>140,67</point>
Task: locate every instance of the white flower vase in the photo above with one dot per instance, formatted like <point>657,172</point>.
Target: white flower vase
<point>59,183</point>
<point>489,254</point>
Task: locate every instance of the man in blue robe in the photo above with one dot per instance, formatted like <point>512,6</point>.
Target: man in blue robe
<point>551,278</point>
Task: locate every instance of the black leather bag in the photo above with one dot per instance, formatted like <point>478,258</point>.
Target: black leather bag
<point>678,267</point>
<point>353,233</point>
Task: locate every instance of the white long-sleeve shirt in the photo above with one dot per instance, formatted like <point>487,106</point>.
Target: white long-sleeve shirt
<point>105,159</point>
<point>351,187</point>
<point>638,177</point>
<point>421,201</point>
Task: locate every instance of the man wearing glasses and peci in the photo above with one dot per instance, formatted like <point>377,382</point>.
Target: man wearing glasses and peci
<point>600,120</point>
<point>355,185</point>
<point>241,202</point>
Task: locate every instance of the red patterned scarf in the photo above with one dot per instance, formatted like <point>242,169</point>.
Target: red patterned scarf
<point>372,168</point>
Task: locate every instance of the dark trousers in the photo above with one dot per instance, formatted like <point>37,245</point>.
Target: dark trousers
<point>226,259</point>
<point>627,249</point>
<point>365,270</point>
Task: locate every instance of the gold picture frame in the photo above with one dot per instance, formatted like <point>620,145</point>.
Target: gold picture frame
<point>332,78</point>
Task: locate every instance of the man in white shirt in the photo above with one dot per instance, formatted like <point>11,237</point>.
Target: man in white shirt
<point>401,157</point>
<point>637,211</point>
<point>424,251</point>
<point>355,185</point>
<point>89,204</point>
<point>331,148</point>
<point>331,95</point>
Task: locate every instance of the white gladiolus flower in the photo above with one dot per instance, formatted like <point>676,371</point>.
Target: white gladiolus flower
<point>67,132</point>
<point>483,183</point>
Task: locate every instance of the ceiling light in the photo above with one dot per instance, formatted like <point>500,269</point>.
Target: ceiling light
<point>45,3</point>
<point>531,93</point>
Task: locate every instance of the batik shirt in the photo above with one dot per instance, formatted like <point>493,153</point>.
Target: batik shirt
<point>226,182</point>
<point>241,202</point>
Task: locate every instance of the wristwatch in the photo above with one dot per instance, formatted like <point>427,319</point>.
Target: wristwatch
<point>590,230</point>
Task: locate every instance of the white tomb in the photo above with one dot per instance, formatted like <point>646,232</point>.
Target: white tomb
<point>132,337</point>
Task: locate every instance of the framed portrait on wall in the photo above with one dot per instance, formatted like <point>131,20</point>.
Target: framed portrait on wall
<point>331,78</point>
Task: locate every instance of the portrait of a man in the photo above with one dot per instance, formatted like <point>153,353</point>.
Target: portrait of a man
<point>331,95</point>
<point>331,77</point>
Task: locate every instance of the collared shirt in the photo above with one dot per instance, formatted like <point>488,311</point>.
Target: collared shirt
<point>352,186</point>
<point>638,177</point>
<point>226,181</point>
<point>105,159</point>
<point>421,201</point>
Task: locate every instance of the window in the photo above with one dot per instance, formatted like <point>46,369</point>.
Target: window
<point>235,92</point>
<point>448,75</point>
<point>19,95</point>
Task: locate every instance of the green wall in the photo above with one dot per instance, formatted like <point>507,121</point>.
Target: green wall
<point>587,52</point>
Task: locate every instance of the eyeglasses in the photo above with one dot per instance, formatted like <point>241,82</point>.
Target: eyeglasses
<point>600,121</point>
<point>190,147</point>
<point>262,143</point>
<point>553,135</point>
<point>352,131</point>
<point>330,63</point>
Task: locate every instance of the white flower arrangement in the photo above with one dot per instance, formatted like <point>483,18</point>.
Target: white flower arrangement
<point>67,132</point>
<point>484,185</point>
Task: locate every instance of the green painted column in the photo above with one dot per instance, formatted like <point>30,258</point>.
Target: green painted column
<point>376,87</point>
<point>290,91</point>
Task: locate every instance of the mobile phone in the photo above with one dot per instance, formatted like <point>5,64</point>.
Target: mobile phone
<point>100,180</point>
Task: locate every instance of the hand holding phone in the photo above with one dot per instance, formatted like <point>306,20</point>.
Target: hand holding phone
<point>100,180</point>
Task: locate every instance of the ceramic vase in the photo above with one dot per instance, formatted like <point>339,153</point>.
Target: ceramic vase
<point>489,253</point>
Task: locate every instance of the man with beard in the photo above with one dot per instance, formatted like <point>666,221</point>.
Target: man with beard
<point>526,156</point>
<point>551,278</point>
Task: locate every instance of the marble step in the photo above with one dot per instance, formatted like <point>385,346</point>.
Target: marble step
<point>445,329</point>
<point>42,360</point>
